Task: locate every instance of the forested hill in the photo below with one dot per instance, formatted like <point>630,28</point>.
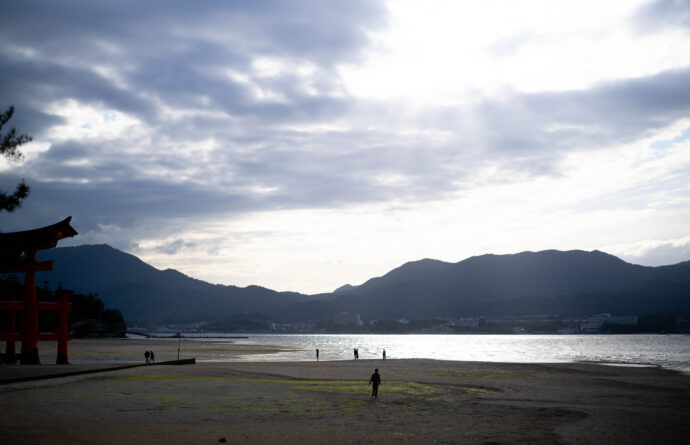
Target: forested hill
<point>546,282</point>
<point>553,282</point>
<point>141,291</point>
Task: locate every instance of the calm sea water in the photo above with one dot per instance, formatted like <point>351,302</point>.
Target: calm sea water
<point>668,351</point>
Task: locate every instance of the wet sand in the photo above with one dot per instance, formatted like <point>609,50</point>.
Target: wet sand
<point>420,401</point>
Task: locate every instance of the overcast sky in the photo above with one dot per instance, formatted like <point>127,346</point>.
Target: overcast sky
<point>303,145</point>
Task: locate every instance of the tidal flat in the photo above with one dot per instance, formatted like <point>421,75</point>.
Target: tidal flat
<point>420,401</point>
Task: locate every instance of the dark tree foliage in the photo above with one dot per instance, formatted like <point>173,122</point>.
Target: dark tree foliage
<point>88,316</point>
<point>86,307</point>
<point>10,149</point>
<point>663,322</point>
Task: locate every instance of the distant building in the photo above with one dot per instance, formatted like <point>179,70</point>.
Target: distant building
<point>594,323</point>
<point>292,327</point>
<point>345,319</point>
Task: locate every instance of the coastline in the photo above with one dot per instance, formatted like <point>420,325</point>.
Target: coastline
<point>420,401</point>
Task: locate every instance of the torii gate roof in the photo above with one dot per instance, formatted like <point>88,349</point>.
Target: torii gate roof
<point>36,239</point>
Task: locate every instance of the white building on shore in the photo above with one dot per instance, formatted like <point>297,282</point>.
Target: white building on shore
<point>345,319</point>
<point>595,323</point>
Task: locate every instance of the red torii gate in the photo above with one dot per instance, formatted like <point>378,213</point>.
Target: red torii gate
<point>18,255</point>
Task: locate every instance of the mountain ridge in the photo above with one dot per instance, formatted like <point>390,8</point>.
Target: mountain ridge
<point>571,282</point>
<point>554,281</point>
<point>141,291</point>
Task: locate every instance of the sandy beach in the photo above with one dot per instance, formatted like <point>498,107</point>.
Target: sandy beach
<point>420,401</point>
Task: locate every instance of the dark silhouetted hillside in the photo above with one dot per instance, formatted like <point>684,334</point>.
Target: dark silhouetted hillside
<point>567,283</point>
<point>141,291</point>
<point>547,282</point>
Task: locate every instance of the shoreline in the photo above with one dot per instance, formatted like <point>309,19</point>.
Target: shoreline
<point>125,351</point>
<point>10,374</point>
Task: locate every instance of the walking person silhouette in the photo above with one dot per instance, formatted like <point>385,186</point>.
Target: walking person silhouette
<point>375,381</point>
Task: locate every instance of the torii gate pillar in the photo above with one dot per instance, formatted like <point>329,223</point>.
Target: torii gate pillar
<point>30,315</point>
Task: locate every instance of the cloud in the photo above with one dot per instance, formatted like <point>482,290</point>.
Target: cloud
<point>207,74</point>
<point>608,114</point>
<point>204,165</point>
<point>663,14</point>
<point>136,58</point>
<point>152,118</point>
<point>174,247</point>
<point>655,252</point>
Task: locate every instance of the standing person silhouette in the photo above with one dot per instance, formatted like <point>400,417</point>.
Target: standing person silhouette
<point>375,381</point>
<point>317,355</point>
<point>146,354</point>
<point>151,354</point>
<point>384,354</point>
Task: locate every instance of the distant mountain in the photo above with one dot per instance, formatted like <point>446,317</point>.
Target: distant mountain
<point>140,291</point>
<point>567,283</point>
<point>549,282</point>
<point>344,288</point>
